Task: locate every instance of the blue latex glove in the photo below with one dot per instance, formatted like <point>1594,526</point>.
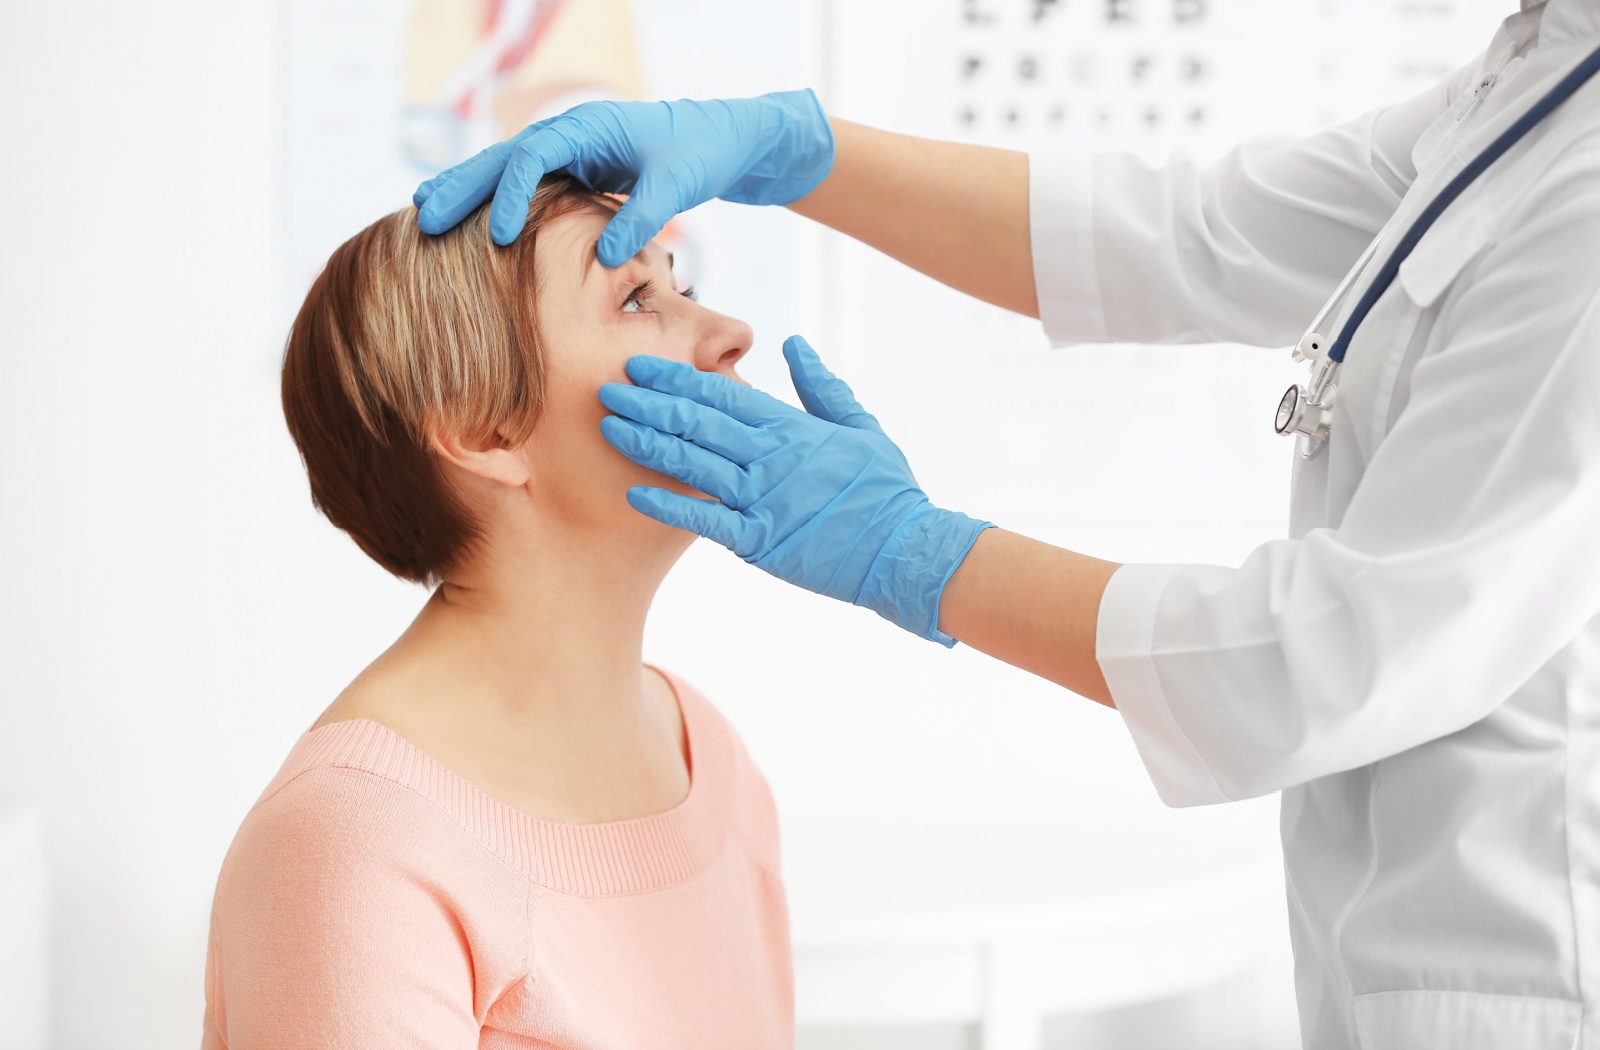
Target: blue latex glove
<point>821,498</point>
<point>670,156</point>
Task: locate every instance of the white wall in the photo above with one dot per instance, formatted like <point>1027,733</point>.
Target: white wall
<point>155,531</point>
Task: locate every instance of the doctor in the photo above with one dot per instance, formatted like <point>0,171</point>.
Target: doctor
<point>1417,668</point>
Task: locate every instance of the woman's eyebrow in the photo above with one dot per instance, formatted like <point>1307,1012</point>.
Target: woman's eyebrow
<point>591,258</point>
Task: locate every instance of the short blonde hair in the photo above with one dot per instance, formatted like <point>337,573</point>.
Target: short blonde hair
<point>400,333</point>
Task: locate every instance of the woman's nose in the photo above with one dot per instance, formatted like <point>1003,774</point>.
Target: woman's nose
<point>723,341</point>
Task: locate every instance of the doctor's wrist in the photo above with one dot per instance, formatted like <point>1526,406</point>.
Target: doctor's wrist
<point>908,577</point>
<point>1033,605</point>
<point>796,153</point>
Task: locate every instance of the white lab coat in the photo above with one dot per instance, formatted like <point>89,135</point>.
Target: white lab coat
<point>1417,668</point>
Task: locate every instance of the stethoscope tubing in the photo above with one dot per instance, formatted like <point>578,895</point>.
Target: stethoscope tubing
<point>1569,84</point>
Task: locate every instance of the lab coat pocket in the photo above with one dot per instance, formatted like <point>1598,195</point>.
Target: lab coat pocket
<point>1440,257</point>
<point>1465,1021</point>
<point>1425,278</point>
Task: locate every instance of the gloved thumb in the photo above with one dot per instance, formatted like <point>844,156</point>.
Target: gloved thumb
<point>824,394</point>
<point>643,215</point>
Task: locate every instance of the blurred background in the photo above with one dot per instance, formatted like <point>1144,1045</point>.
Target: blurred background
<point>975,857</point>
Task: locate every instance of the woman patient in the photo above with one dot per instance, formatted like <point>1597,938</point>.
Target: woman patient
<point>507,831</point>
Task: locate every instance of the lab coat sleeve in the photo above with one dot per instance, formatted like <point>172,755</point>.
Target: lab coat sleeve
<point>1242,250</point>
<point>1468,557</point>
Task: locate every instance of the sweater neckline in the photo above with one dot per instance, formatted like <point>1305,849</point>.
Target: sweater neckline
<point>636,855</point>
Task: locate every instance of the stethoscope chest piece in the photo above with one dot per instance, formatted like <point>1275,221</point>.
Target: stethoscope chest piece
<point>1307,411</point>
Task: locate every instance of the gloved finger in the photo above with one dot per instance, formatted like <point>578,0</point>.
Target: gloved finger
<point>745,404</point>
<point>482,167</point>
<point>425,188</point>
<point>494,156</point>
<point>547,149</point>
<point>677,458</point>
<point>451,196</point>
<point>707,427</point>
<point>644,214</point>
<point>824,394</point>
<point>700,516</point>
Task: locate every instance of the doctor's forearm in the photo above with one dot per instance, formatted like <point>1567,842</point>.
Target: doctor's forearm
<point>958,213</point>
<point>1032,605</point>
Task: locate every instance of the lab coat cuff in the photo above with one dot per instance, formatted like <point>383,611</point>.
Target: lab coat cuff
<point>1124,648</point>
<point>1066,276</point>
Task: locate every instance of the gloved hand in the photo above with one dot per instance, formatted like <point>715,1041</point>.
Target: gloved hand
<point>820,498</point>
<point>670,156</point>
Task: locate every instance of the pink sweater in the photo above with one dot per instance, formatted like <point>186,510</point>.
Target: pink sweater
<point>372,898</point>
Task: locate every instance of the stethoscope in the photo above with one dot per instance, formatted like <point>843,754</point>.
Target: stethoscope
<point>1308,411</point>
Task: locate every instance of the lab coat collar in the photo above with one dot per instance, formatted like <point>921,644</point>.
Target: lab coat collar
<point>1565,20</point>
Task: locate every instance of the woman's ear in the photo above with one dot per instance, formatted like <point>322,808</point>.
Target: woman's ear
<point>490,458</point>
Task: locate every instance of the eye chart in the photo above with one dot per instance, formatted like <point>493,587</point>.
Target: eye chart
<point>1157,74</point>
<point>1119,73</point>
<point>1130,452</point>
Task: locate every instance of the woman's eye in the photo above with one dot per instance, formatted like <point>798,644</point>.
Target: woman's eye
<point>690,294</point>
<point>634,303</point>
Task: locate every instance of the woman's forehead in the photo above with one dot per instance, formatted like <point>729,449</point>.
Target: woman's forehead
<point>575,235</point>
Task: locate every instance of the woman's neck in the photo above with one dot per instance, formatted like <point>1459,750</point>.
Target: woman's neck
<point>539,622</point>
<point>544,625</point>
<point>523,675</point>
